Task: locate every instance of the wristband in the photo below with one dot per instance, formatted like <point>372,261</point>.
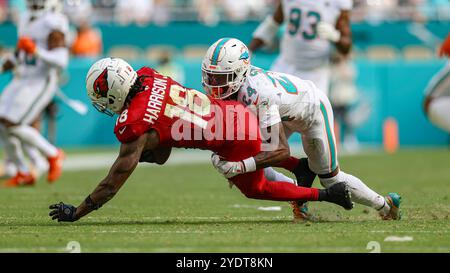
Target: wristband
<point>249,164</point>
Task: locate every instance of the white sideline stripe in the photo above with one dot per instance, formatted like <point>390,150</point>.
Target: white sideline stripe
<point>104,160</point>
<point>274,208</point>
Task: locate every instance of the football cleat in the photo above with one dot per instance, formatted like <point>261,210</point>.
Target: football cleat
<point>20,179</point>
<point>339,194</point>
<point>393,200</point>
<point>55,166</point>
<point>300,211</point>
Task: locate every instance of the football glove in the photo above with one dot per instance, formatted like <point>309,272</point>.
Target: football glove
<point>63,212</point>
<point>328,32</point>
<point>230,169</point>
<point>26,44</point>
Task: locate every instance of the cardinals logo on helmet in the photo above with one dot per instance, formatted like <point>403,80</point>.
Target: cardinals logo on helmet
<point>101,84</point>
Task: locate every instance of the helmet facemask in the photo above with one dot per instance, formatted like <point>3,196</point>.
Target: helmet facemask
<point>102,106</point>
<point>220,84</point>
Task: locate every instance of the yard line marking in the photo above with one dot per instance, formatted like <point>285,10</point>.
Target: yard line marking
<point>275,208</point>
<point>32,249</point>
<point>398,239</point>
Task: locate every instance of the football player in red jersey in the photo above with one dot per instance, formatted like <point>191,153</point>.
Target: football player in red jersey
<point>156,113</point>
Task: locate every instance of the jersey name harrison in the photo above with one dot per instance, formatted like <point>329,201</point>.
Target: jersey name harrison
<point>155,100</point>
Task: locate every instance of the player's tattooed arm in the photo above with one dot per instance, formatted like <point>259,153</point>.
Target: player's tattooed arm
<point>266,29</point>
<point>280,153</point>
<point>122,168</point>
<point>262,160</point>
<point>343,26</point>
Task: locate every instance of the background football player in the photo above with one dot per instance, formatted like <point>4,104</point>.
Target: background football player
<point>40,55</point>
<point>312,26</point>
<point>437,99</point>
<point>156,114</point>
<point>296,104</point>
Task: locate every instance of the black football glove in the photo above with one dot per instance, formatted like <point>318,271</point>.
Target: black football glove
<point>63,212</point>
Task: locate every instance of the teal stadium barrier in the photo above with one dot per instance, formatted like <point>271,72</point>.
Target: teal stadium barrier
<point>394,88</point>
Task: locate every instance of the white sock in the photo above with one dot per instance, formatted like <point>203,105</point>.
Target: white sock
<point>32,137</point>
<point>361,194</point>
<point>275,176</point>
<point>10,168</point>
<point>13,149</point>
<point>36,158</point>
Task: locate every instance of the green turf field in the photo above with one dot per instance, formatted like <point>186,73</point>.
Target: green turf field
<point>190,209</point>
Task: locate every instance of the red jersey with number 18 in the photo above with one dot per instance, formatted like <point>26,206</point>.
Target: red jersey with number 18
<point>185,117</point>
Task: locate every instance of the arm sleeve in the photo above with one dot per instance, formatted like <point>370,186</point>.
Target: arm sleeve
<point>58,57</point>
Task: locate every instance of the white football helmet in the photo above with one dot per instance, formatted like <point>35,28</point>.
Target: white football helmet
<point>108,83</point>
<point>225,67</point>
<point>39,7</point>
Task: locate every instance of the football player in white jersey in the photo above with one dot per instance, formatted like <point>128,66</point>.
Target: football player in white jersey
<point>312,26</point>
<point>296,104</point>
<point>437,99</point>
<point>40,55</point>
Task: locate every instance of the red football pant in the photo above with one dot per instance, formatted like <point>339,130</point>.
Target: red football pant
<point>289,164</point>
<point>255,185</point>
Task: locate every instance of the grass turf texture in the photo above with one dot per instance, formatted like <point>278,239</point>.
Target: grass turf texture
<point>190,209</point>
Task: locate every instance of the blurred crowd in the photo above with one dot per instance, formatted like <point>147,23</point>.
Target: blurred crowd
<point>210,12</point>
<point>415,10</point>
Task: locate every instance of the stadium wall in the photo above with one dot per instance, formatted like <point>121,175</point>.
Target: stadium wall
<point>393,88</point>
<point>181,34</point>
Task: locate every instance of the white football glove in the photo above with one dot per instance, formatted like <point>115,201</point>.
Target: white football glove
<point>328,32</point>
<point>228,169</point>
